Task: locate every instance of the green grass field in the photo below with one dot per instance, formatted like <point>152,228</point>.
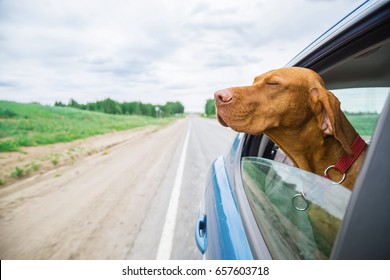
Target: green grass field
<point>364,123</point>
<point>34,124</point>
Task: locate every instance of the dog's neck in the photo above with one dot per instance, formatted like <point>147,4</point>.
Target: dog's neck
<point>315,157</point>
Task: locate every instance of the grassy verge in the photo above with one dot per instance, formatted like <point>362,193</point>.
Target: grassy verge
<point>364,123</point>
<point>34,124</point>
<point>209,116</point>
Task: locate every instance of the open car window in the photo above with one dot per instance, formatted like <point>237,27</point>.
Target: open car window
<point>277,191</point>
<point>297,212</point>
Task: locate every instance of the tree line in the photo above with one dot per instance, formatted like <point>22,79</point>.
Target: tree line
<point>110,106</point>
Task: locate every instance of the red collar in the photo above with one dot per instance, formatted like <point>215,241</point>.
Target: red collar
<point>346,160</point>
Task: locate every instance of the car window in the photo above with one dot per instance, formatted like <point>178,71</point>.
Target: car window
<point>362,107</point>
<point>297,212</point>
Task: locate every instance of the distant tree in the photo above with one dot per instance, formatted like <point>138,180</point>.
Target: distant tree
<point>137,108</point>
<point>126,108</point>
<point>91,106</point>
<point>172,108</point>
<point>210,107</point>
<point>111,107</point>
<point>148,110</point>
<point>59,104</point>
<point>73,103</point>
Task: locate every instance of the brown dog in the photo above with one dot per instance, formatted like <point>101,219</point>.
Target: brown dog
<point>293,107</point>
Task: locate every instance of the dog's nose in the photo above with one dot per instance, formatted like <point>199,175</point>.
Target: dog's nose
<point>223,96</point>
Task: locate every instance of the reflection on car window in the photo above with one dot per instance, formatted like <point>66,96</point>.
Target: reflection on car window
<point>362,107</point>
<point>298,213</point>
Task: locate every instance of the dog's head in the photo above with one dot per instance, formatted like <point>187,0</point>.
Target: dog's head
<point>282,98</point>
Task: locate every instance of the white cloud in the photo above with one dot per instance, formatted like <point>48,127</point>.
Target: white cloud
<point>150,51</point>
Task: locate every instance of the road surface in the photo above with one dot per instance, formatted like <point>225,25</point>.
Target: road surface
<point>114,204</point>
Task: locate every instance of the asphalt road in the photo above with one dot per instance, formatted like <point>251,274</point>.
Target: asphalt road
<point>116,204</point>
<point>207,140</point>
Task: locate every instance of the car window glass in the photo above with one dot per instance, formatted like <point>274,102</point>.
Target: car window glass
<point>362,107</point>
<point>297,212</point>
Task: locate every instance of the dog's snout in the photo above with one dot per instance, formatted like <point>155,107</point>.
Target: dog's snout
<point>223,96</point>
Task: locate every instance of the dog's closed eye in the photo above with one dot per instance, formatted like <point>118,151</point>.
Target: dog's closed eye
<point>272,83</point>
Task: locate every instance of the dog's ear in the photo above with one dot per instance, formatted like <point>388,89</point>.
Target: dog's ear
<point>330,118</point>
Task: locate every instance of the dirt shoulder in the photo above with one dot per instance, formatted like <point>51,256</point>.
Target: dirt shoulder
<point>94,206</point>
<point>35,161</point>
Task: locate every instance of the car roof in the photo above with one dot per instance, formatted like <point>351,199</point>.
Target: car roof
<point>355,52</point>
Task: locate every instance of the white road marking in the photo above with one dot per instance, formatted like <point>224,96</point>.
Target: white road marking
<point>166,240</point>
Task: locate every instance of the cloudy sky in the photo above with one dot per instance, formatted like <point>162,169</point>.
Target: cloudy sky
<point>150,51</point>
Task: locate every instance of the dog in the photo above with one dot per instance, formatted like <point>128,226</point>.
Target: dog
<point>294,109</point>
